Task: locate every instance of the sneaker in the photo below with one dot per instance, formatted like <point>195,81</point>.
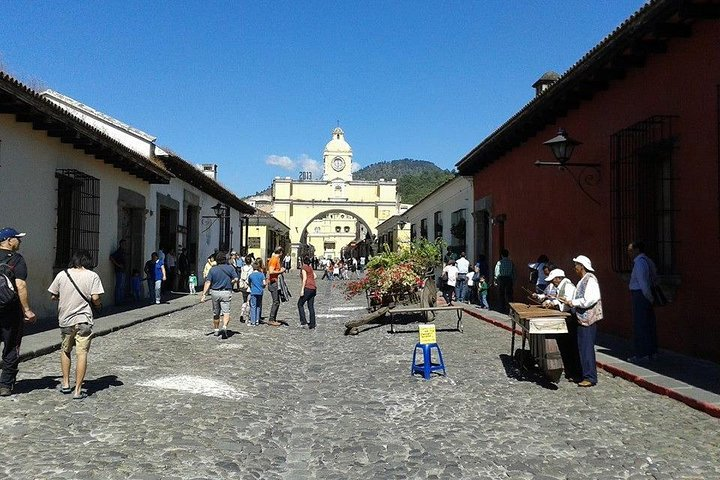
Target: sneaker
<point>223,333</point>
<point>302,325</point>
<point>157,302</point>
<point>216,332</point>
<point>5,391</point>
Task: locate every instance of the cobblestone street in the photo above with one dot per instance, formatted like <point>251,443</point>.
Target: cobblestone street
<point>167,399</point>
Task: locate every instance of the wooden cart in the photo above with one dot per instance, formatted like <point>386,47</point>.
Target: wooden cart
<point>541,327</point>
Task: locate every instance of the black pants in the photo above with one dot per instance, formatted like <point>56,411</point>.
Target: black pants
<point>275,294</point>
<point>11,332</point>
<point>309,298</point>
<point>505,294</point>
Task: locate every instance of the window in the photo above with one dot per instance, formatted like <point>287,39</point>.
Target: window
<point>78,215</point>
<point>642,183</point>
<point>337,229</point>
<point>317,229</point>
<point>423,228</point>
<point>413,233</point>
<point>347,229</point>
<point>458,229</point>
<point>438,225</point>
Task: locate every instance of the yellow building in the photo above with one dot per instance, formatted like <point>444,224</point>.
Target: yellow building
<point>331,213</point>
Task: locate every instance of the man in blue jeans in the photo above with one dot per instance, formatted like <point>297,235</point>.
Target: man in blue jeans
<point>463,265</point>
<point>119,262</point>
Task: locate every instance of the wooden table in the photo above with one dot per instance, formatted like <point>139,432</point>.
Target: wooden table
<point>540,326</point>
<point>426,311</point>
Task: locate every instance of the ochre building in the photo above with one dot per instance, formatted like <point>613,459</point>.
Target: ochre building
<point>335,212</point>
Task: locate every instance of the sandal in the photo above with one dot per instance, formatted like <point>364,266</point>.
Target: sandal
<point>82,396</point>
<point>66,390</point>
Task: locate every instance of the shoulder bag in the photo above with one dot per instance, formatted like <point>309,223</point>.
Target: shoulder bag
<point>96,309</point>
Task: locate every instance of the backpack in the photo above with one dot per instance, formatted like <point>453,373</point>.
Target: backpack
<point>8,290</point>
<point>244,274</point>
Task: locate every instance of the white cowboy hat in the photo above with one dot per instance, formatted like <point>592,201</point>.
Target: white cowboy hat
<point>555,274</point>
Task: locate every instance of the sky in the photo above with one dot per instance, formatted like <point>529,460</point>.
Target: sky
<point>257,87</point>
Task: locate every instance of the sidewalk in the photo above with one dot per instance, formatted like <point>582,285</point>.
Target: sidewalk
<point>690,380</point>
<point>44,336</point>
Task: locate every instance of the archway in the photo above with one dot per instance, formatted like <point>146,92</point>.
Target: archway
<point>331,230</point>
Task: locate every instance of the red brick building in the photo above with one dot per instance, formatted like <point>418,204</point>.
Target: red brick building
<point>645,103</point>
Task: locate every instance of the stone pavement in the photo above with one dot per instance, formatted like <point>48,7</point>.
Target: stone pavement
<point>169,400</point>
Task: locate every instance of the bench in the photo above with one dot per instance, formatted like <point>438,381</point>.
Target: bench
<point>408,310</point>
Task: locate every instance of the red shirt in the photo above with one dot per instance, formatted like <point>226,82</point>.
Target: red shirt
<point>310,281</point>
<point>273,264</point>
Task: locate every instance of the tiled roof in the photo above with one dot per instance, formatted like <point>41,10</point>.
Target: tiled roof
<point>29,106</point>
<point>644,33</point>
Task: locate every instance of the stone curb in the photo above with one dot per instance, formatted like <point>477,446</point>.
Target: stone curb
<point>705,407</point>
<point>55,346</point>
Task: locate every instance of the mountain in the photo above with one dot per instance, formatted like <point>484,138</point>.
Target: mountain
<point>415,178</point>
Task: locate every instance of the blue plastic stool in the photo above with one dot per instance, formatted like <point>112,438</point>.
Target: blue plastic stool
<point>427,367</point>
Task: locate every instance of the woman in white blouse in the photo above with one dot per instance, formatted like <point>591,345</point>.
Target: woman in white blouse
<point>587,306</point>
<point>451,272</point>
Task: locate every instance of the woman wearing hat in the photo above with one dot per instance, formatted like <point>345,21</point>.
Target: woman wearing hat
<point>587,306</point>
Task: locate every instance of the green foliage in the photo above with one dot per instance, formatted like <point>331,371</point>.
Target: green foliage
<point>423,255</point>
<point>416,178</point>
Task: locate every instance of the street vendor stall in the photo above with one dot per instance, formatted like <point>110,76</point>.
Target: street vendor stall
<point>541,327</point>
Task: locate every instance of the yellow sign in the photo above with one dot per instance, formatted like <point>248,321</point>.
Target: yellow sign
<point>427,334</point>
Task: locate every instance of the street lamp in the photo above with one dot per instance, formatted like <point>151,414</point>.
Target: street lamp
<point>219,210</point>
<point>562,147</point>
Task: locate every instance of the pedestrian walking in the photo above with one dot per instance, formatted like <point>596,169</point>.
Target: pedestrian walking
<point>171,271</point>
<point>586,304</point>
<point>449,280</point>
<point>219,283</point>
<point>14,306</point>
<point>118,260</point>
<point>160,275</point>
<point>308,290</point>
<point>642,280</point>
<point>77,290</point>
<point>244,285</point>
<point>192,283</point>
<point>483,290</point>
<point>504,278</point>
<point>274,270</point>
<point>257,283</point>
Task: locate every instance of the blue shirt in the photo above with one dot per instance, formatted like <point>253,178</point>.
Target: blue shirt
<point>221,276</point>
<point>158,269</point>
<point>255,279</point>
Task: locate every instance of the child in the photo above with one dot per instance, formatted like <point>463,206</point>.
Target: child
<point>192,283</point>
<point>136,282</point>
<point>483,289</point>
<point>256,281</point>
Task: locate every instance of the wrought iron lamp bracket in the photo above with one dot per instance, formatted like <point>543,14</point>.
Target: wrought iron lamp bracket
<point>588,174</point>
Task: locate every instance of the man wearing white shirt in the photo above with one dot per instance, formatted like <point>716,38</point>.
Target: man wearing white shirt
<point>568,345</point>
<point>642,279</point>
<point>462,265</point>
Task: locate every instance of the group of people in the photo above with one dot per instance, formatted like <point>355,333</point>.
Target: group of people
<point>340,269</point>
<point>223,278</point>
<point>462,283</point>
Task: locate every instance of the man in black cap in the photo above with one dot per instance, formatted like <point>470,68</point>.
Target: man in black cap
<point>13,312</point>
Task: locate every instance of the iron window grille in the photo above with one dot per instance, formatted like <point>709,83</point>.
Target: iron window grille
<point>642,185</point>
<point>78,215</point>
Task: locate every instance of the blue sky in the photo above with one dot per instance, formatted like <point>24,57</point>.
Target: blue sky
<point>253,86</point>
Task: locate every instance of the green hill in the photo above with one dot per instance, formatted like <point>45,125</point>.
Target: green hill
<point>416,178</point>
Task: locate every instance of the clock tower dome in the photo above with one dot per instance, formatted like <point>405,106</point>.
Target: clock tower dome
<point>337,158</point>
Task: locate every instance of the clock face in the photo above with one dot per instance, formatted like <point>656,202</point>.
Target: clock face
<point>338,164</point>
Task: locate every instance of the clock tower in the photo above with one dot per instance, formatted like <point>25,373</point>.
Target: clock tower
<point>337,158</point>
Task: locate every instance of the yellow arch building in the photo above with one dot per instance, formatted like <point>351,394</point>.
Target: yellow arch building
<point>332,212</point>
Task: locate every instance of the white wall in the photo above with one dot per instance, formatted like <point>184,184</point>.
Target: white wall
<point>28,192</point>
<point>455,195</point>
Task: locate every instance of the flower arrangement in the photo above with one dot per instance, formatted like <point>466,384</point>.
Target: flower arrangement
<point>393,274</point>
